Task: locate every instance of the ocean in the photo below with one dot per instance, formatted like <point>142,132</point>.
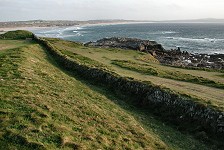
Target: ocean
<point>192,37</point>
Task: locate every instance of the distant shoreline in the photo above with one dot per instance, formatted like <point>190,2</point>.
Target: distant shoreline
<point>56,31</point>
<point>81,24</point>
<point>7,28</point>
<point>32,28</point>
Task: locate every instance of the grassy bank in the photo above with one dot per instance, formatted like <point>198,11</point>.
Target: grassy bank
<point>17,35</point>
<point>44,108</point>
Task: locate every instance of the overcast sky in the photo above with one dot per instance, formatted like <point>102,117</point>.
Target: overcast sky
<point>11,10</point>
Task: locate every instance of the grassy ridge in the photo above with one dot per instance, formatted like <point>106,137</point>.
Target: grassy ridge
<point>43,108</point>
<point>15,35</point>
<point>150,70</point>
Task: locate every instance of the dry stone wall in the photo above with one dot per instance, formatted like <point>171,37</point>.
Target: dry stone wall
<point>178,109</point>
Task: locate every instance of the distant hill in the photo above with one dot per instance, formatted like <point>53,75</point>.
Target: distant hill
<point>205,20</point>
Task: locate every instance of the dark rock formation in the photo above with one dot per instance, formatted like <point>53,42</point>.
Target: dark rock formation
<point>127,43</point>
<point>211,61</point>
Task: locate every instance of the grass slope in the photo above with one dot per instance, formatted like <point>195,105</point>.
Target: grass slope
<point>9,44</point>
<point>44,107</point>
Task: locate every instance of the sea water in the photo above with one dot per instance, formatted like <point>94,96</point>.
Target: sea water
<point>191,37</point>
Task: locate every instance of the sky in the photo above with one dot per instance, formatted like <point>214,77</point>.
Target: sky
<point>17,10</point>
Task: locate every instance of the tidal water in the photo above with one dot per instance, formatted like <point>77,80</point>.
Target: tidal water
<point>191,37</point>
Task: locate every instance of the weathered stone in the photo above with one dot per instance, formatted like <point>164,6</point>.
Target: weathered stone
<point>127,43</point>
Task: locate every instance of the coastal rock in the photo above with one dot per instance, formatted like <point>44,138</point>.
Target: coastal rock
<point>174,57</point>
<point>127,43</point>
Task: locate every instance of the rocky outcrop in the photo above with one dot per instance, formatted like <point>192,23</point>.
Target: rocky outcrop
<point>127,43</point>
<point>174,57</point>
<point>207,61</point>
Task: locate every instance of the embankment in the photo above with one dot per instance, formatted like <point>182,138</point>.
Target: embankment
<point>186,112</point>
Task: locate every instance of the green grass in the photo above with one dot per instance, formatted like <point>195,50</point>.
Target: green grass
<point>173,138</point>
<point>145,69</point>
<point>10,44</point>
<point>85,60</point>
<point>221,75</point>
<point>43,106</point>
<point>16,35</point>
<point>197,68</point>
<point>176,75</point>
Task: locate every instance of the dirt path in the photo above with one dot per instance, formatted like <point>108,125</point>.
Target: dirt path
<point>203,92</point>
<point>215,76</point>
<point>4,47</point>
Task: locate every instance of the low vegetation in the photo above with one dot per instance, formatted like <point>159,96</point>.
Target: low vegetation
<point>16,35</point>
<point>84,60</point>
<point>43,105</point>
<point>177,75</point>
<point>197,68</point>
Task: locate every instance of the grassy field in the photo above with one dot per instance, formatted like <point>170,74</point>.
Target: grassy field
<point>44,106</point>
<point>204,85</point>
<point>9,44</point>
<point>175,75</point>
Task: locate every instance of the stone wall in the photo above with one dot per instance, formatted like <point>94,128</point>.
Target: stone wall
<point>178,109</point>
